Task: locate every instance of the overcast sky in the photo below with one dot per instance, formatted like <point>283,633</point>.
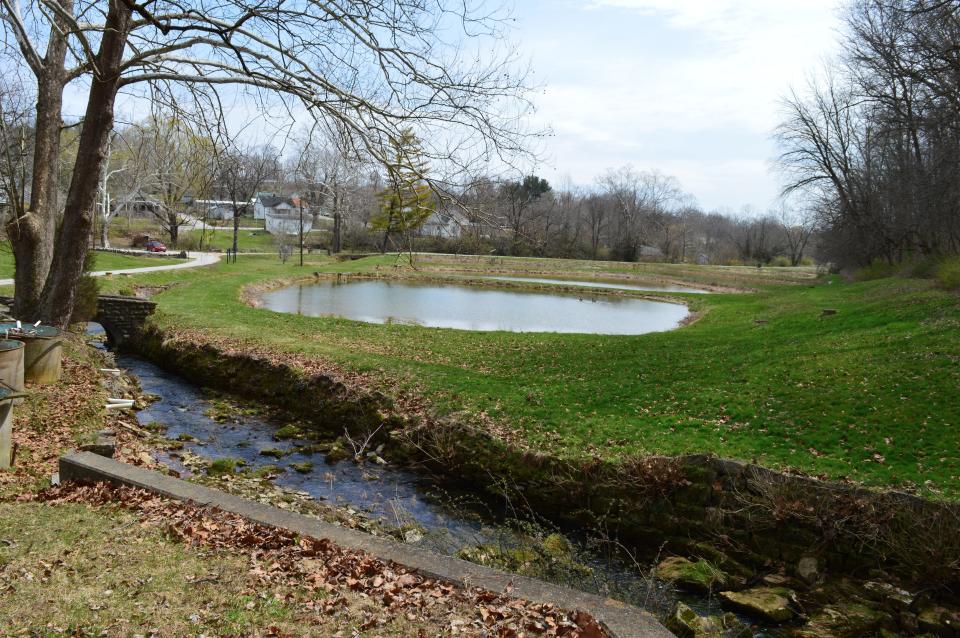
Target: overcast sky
<point>689,87</point>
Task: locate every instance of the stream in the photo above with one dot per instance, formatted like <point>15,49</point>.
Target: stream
<point>446,519</point>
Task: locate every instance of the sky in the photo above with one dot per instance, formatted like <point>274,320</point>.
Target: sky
<point>688,87</point>
<point>691,88</point>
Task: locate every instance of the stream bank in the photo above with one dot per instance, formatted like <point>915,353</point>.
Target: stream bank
<point>786,539</point>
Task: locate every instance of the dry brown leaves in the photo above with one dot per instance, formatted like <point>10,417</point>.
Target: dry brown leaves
<point>280,558</point>
<point>50,419</point>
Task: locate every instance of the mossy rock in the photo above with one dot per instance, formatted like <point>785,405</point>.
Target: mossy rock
<point>266,470</point>
<point>686,623</point>
<point>557,546</point>
<point>274,452</point>
<point>288,432</point>
<point>769,603</point>
<point>312,448</point>
<point>153,426</point>
<point>223,466</point>
<point>844,620</point>
<point>730,565</point>
<point>337,452</point>
<point>940,620</point>
<point>700,576</point>
<point>528,561</point>
<point>304,468</point>
<point>183,436</point>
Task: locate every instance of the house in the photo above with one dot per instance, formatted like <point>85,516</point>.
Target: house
<point>287,222</point>
<point>137,204</point>
<point>214,208</point>
<point>445,224</point>
<point>265,203</point>
<point>282,215</point>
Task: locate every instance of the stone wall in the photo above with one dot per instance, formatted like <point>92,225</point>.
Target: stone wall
<point>692,502</point>
<point>123,317</point>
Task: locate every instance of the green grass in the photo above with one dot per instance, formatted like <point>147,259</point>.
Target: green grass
<point>250,241</point>
<point>104,261</point>
<point>868,394</point>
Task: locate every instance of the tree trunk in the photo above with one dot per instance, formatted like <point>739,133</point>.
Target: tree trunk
<point>104,233</point>
<point>236,232</point>
<point>336,232</point>
<point>59,293</point>
<point>32,235</point>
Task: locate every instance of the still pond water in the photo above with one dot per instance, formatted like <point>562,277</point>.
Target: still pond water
<point>601,284</point>
<point>476,308</point>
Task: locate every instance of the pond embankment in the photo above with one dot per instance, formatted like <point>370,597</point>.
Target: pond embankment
<point>768,526</point>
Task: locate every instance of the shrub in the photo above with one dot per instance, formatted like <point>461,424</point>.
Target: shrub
<point>876,270</point>
<point>780,261</point>
<point>948,274</point>
<point>922,268</point>
<point>189,241</point>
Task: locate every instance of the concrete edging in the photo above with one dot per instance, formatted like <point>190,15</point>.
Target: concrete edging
<point>620,620</point>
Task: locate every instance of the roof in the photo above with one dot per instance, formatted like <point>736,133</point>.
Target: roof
<point>269,200</point>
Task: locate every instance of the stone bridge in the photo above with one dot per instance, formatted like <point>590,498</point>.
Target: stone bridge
<point>121,317</point>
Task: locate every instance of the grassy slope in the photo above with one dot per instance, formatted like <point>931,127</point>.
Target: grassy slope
<point>868,394</point>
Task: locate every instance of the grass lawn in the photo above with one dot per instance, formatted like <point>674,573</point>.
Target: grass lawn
<point>249,241</point>
<point>869,394</point>
<point>104,261</point>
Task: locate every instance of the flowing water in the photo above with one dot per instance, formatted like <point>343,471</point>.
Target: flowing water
<point>476,308</point>
<point>392,494</point>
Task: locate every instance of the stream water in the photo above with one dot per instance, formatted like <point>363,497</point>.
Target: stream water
<point>396,496</point>
<point>476,308</point>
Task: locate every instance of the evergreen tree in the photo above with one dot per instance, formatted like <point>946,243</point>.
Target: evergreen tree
<point>407,202</point>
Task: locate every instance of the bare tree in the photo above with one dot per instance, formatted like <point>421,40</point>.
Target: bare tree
<point>241,173</point>
<point>16,147</point>
<point>375,68</point>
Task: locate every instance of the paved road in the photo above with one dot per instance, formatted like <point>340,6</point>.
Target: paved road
<point>194,260</point>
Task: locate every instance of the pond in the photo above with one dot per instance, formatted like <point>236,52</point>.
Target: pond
<point>601,284</point>
<point>476,308</point>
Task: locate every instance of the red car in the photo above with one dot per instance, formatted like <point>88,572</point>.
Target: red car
<point>155,246</point>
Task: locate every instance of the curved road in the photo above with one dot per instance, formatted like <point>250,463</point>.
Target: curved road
<point>194,260</point>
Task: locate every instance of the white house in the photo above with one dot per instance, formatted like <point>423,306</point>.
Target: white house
<point>265,203</point>
<point>447,224</point>
<point>287,222</point>
<point>215,208</point>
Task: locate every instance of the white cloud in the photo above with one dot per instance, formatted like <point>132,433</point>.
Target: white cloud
<point>625,75</point>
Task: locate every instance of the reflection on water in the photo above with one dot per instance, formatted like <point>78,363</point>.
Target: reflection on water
<point>601,284</point>
<point>474,308</point>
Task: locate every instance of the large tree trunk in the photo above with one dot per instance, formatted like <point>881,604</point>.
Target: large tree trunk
<point>32,235</point>
<point>59,293</point>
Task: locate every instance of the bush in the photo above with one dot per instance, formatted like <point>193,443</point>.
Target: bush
<point>780,261</point>
<point>922,268</point>
<point>948,274</point>
<point>189,241</point>
<point>876,270</point>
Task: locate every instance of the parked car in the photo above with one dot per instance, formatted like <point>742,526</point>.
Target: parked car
<point>155,246</point>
